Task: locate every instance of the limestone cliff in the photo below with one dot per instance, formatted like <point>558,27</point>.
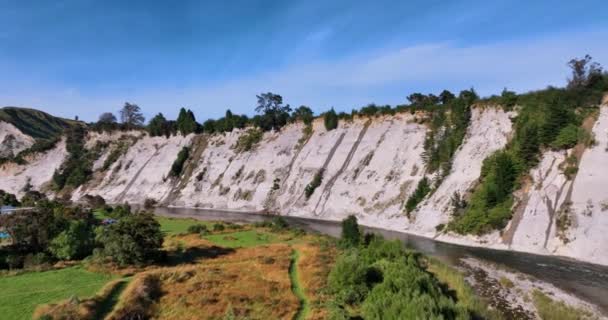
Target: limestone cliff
<point>369,165</point>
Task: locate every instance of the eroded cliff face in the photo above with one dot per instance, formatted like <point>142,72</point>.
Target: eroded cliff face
<point>12,140</point>
<point>370,167</point>
<point>36,174</point>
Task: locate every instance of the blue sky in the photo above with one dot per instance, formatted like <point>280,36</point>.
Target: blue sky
<point>84,57</point>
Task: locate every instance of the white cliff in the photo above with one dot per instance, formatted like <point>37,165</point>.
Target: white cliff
<point>371,165</point>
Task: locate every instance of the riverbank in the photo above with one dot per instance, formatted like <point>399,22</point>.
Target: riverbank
<point>586,281</point>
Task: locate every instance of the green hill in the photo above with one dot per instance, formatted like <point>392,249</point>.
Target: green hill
<point>38,124</point>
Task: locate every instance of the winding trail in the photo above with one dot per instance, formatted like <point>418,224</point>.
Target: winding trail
<point>297,289</point>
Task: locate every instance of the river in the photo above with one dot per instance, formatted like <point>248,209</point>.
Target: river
<point>585,280</point>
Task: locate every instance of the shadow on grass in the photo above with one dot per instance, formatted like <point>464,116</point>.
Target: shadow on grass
<point>106,306</point>
<point>193,254</point>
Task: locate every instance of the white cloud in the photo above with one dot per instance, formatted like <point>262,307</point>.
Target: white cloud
<point>385,76</point>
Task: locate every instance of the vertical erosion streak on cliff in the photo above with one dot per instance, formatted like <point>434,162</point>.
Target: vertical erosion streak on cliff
<point>270,201</point>
<point>328,159</point>
<point>200,143</point>
<point>520,209</point>
<point>124,192</point>
<point>327,189</point>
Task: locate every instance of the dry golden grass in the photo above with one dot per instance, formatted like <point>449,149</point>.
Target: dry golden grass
<point>316,259</point>
<point>74,309</point>
<point>200,280</point>
<point>252,282</point>
<point>138,299</point>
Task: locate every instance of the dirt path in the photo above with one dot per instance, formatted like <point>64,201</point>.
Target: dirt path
<point>297,289</point>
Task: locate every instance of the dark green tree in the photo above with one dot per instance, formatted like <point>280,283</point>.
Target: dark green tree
<point>178,165</point>
<point>304,114</point>
<point>273,114</point>
<point>186,122</point>
<point>446,97</point>
<point>134,239</point>
<point>131,116</point>
<point>330,119</point>
<point>351,234</point>
<point>159,126</point>
<point>75,242</point>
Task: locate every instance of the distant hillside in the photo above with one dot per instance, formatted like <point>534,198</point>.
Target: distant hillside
<point>35,123</point>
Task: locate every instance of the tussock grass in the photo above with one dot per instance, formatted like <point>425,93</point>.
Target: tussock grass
<point>549,309</point>
<point>138,299</point>
<point>87,309</point>
<point>463,293</point>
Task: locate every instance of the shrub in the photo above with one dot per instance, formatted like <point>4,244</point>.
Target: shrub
<point>314,184</point>
<point>178,164</point>
<point>8,199</point>
<point>75,242</point>
<point>197,228</point>
<point>421,191</point>
<point>567,137</point>
<point>150,203</point>
<point>279,223</point>
<point>351,235</point>
<point>381,280</point>
<point>218,227</point>
<point>248,140</point>
<point>134,239</point>
<point>330,119</point>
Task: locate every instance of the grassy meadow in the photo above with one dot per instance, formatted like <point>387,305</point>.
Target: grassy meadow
<point>20,294</point>
<point>202,278</point>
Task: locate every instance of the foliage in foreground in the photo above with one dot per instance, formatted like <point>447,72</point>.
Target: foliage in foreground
<point>379,279</point>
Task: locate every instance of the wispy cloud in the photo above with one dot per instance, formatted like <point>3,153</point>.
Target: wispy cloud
<point>384,76</point>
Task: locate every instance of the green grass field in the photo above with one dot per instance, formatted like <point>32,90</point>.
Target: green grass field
<point>171,226</point>
<point>20,294</point>
<point>242,239</point>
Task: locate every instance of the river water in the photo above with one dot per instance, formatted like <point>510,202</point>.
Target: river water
<point>585,280</point>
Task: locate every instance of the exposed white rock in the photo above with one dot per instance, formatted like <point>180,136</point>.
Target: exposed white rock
<point>371,166</point>
<point>139,174</point>
<point>375,165</point>
<point>12,140</point>
<point>488,132</point>
<point>37,172</point>
<point>588,234</point>
<point>225,179</point>
<point>535,228</point>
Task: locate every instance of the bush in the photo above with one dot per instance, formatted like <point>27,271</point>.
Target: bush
<point>314,184</point>
<point>178,164</point>
<point>330,119</point>
<point>150,203</point>
<point>568,137</point>
<point>8,199</point>
<point>248,140</point>
<point>134,239</point>
<point>351,235</point>
<point>381,280</point>
<point>279,224</point>
<point>218,227</point>
<point>421,191</point>
<point>76,242</point>
<point>197,228</point>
